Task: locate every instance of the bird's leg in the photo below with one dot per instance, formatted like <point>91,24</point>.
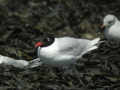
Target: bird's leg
<point>77,74</point>
<point>72,70</point>
<point>67,69</point>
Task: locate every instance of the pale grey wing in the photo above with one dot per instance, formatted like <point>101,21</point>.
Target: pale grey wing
<point>72,46</point>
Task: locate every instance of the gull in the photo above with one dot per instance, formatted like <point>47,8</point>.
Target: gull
<point>111,26</point>
<point>17,63</point>
<point>63,51</point>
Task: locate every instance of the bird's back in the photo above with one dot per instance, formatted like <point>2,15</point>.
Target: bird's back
<point>73,46</point>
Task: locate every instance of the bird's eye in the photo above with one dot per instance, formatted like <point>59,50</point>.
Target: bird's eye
<point>110,22</point>
<point>46,39</point>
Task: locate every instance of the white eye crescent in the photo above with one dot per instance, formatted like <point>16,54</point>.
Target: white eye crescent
<point>48,39</point>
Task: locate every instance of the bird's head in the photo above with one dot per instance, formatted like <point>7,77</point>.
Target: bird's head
<point>108,21</point>
<point>45,42</point>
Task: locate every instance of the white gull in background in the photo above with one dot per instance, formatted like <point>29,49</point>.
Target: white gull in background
<point>17,63</point>
<point>63,51</point>
<point>111,26</point>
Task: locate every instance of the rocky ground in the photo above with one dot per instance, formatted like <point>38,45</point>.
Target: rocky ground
<point>24,22</point>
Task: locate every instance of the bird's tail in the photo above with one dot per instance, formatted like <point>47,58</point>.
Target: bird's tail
<point>92,45</point>
<point>34,63</point>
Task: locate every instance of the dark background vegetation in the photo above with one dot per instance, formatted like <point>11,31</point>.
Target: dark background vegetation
<point>24,22</point>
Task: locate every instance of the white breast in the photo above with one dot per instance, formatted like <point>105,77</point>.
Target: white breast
<point>52,55</point>
<point>113,32</point>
